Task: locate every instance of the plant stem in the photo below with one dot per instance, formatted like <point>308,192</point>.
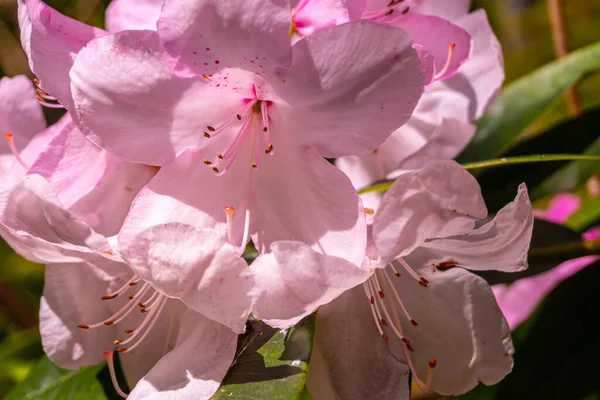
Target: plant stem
<point>561,49</point>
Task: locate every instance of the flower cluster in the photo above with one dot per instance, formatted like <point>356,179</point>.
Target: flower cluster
<point>196,127</point>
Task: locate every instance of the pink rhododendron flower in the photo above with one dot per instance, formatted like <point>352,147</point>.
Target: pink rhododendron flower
<point>418,308</point>
<point>441,125</point>
<point>93,303</point>
<point>243,125</point>
<point>519,299</point>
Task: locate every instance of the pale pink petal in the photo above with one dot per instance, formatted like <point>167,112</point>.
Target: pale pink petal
<point>439,199</point>
<point>104,209</point>
<point>51,41</point>
<point>196,366</point>
<point>132,14</point>
<point>36,225</point>
<point>349,87</point>
<point>72,296</point>
<point>447,140</point>
<point>450,10</point>
<point>20,113</point>
<point>186,191</point>
<point>193,265</point>
<point>501,244</point>
<point>293,280</point>
<point>61,161</point>
<point>561,207</point>
<point>225,33</point>
<point>30,152</point>
<point>436,35</point>
<point>479,79</point>
<point>350,360</point>
<point>459,324</point>
<point>145,114</point>
<point>311,15</point>
<point>521,298</point>
<point>313,202</point>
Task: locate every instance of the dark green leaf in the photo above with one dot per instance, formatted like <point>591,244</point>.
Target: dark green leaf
<point>551,244</point>
<point>586,216</point>
<point>382,186</point>
<point>24,344</point>
<point>522,101</point>
<point>270,363</point>
<point>47,381</point>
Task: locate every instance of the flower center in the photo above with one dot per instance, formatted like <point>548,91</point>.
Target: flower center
<point>149,302</point>
<point>385,315</point>
<point>255,117</point>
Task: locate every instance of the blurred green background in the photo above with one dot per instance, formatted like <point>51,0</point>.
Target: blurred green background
<point>522,27</point>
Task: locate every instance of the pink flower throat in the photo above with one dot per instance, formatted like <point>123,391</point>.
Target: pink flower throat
<point>255,117</point>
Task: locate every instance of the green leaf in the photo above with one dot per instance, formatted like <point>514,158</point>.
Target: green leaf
<point>571,175</point>
<point>49,382</point>
<point>565,321</point>
<point>24,344</point>
<point>382,186</point>
<point>586,216</point>
<point>534,158</point>
<point>522,101</point>
<point>551,244</point>
<point>270,363</point>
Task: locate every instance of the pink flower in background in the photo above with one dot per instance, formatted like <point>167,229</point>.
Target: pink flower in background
<point>519,299</point>
<point>427,22</point>
<point>408,314</point>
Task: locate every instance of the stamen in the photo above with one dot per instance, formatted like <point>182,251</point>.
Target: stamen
<point>108,355</point>
<point>399,300</point>
<point>220,128</point>
<point>376,317</point>
<point>121,289</point>
<point>446,67</point>
<point>369,211</point>
<point>266,130</point>
<point>396,329</point>
<point>422,281</point>
<point>11,143</point>
<point>45,102</point>
<point>152,318</point>
<point>117,317</point>
<point>229,215</point>
<point>233,148</point>
<point>432,365</point>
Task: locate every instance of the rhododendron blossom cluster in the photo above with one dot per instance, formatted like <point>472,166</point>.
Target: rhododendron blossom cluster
<point>194,128</point>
